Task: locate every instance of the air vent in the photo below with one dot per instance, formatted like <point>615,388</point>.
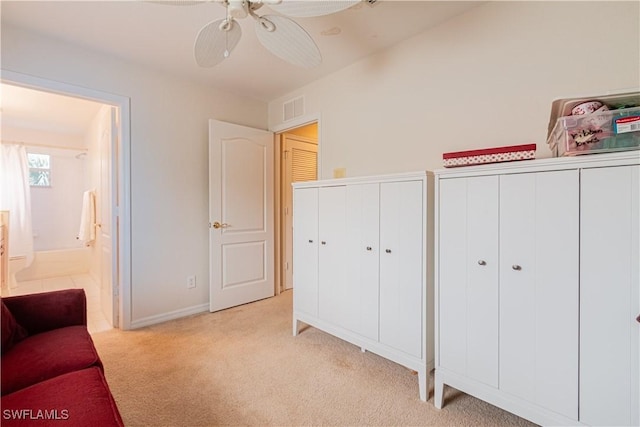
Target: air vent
<point>293,108</point>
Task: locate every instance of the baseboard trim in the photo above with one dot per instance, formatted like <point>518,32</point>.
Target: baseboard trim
<point>172,315</point>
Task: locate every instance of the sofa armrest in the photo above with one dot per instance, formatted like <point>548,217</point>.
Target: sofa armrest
<point>46,311</point>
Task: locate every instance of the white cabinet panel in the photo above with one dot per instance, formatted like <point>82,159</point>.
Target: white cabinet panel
<point>305,257</point>
<point>401,266</point>
<point>363,225</point>
<point>452,299</point>
<point>334,303</point>
<point>468,214</point>
<point>609,297</point>
<point>539,288</point>
<point>482,283</point>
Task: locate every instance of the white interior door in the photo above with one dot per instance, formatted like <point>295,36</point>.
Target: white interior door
<point>106,214</point>
<point>241,214</point>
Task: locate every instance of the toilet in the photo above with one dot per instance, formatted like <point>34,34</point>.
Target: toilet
<point>16,264</point>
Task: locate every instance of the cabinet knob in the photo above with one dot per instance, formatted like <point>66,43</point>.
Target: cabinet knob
<point>482,262</point>
<point>388,251</point>
<point>323,242</point>
<point>516,267</point>
<point>368,248</point>
<point>310,241</point>
<point>638,318</point>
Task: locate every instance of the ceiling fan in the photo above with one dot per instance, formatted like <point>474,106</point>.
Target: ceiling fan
<point>278,33</point>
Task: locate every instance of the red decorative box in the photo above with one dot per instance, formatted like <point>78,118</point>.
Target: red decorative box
<point>489,155</point>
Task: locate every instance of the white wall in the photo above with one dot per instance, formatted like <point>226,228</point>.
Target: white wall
<point>483,79</point>
<point>169,166</point>
<point>55,210</point>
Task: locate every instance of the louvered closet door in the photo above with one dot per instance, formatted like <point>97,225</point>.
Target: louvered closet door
<point>300,164</point>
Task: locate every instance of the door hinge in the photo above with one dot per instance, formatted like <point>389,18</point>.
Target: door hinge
<point>286,154</point>
<point>286,265</point>
<point>286,211</point>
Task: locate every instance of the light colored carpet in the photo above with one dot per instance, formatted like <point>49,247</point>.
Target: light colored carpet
<point>242,366</point>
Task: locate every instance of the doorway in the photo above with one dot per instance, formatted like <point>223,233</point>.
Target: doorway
<point>111,247</point>
<point>298,162</point>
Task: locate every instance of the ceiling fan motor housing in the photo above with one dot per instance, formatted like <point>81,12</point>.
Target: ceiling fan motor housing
<point>238,9</point>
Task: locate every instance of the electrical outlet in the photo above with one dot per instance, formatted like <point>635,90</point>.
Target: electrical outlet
<point>191,282</point>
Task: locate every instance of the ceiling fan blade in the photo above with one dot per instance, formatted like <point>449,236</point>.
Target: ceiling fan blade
<point>288,40</point>
<point>213,43</point>
<point>307,9</point>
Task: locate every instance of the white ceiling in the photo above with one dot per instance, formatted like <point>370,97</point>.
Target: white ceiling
<point>32,109</point>
<point>161,36</point>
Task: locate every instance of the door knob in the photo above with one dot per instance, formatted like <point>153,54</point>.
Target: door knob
<point>217,225</point>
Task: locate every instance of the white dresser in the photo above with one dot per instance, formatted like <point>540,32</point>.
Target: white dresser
<point>537,287</point>
<point>362,264</point>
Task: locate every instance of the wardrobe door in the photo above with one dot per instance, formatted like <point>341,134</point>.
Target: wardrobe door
<point>539,226</point>
<point>609,296</point>
<point>363,235</point>
<point>305,250</point>
<point>468,282</point>
<point>402,259</point>
<point>482,279</point>
<point>333,300</point>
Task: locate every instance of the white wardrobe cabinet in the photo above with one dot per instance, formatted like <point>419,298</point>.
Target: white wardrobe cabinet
<point>372,265</point>
<point>536,298</point>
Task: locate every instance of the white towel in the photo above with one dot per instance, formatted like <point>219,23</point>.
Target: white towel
<point>87,233</point>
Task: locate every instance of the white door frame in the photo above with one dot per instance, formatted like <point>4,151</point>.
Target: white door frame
<point>277,201</point>
<point>121,240</point>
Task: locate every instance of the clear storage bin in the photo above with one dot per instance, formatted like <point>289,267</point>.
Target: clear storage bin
<point>616,129</point>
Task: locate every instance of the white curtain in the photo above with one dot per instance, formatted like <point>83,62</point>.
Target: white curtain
<point>15,197</point>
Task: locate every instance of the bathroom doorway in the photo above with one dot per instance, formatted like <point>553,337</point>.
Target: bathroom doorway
<point>86,191</point>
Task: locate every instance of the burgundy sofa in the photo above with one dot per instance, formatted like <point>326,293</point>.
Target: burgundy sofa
<point>51,372</point>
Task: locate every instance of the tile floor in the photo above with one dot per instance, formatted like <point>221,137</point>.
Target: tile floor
<point>96,320</point>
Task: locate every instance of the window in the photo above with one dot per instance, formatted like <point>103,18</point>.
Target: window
<point>39,170</point>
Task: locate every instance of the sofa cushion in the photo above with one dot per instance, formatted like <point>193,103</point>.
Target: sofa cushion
<point>81,398</point>
<point>12,331</point>
<point>46,355</point>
